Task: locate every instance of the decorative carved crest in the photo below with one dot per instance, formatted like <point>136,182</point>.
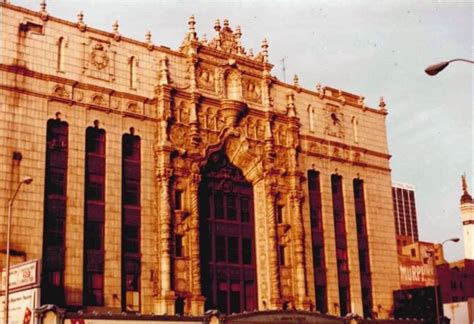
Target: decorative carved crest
<point>60,91</point>
<point>334,121</point>
<point>205,78</point>
<point>251,90</point>
<point>98,99</point>
<point>134,108</point>
<point>226,39</point>
<point>99,56</point>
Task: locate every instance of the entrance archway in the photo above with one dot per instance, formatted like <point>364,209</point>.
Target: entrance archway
<point>228,265</point>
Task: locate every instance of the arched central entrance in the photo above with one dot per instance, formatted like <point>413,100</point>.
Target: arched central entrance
<point>227,237</point>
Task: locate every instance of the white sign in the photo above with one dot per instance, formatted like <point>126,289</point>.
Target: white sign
<point>21,307</point>
<point>22,276</point>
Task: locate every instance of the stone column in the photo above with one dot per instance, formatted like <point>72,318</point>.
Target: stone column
<point>302,301</point>
<point>166,298</point>
<point>270,198</point>
<point>197,300</point>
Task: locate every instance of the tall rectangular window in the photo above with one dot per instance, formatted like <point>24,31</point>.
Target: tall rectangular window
<point>362,239</point>
<point>131,223</point>
<point>317,237</point>
<point>54,225</point>
<point>94,217</point>
<point>341,244</point>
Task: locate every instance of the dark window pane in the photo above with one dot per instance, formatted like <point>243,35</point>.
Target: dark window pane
<point>231,210</point>
<point>218,206</point>
<point>220,248</point>
<point>233,249</point>
<point>178,245</point>
<point>247,251</point>
<point>282,255</point>
<point>244,209</point>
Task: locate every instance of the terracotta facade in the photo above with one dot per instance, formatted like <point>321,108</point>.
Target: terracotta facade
<point>185,105</point>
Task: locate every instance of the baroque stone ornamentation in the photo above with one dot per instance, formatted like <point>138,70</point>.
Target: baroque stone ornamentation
<point>251,90</point>
<point>60,91</point>
<point>98,99</point>
<point>205,78</point>
<point>99,56</point>
<point>334,121</point>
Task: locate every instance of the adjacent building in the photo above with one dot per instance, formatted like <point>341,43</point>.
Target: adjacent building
<point>404,209</point>
<point>178,181</point>
<point>456,279</point>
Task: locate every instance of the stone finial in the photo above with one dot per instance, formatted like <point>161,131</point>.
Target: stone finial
<point>382,104</point>
<point>43,12</point>
<point>265,50</point>
<point>204,39</point>
<point>238,35</point>
<point>464,183</point>
<point>191,28</point>
<point>318,87</point>
<point>360,101</point>
<point>238,32</point>
<point>296,81</point>
<point>164,72</point>
<point>115,28</point>
<point>226,23</point>
<point>466,197</point>
<point>217,25</point>
<point>149,43</point>
<point>251,52</point>
<point>80,21</point>
<point>290,104</point>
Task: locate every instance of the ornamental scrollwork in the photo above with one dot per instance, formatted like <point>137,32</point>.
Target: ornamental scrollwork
<point>99,56</point>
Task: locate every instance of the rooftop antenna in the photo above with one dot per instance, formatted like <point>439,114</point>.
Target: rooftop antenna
<point>284,68</point>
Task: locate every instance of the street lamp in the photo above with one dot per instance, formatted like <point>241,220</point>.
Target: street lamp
<point>438,67</point>
<point>433,258</point>
<point>26,180</point>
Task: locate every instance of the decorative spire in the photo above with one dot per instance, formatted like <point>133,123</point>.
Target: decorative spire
<point>251,52</point>
<point>466,197</point>
<point>290,104</point>
<point>148,41</point>
<point>296,81</point>
<point>382,104</point>
<point>43,12</point>
<point>226,23</point>
<point>318,87</point>
<point>164,72</point>
<point>265,50</point>
<point>217,25</point>
<point>204,39</point>
<point>115,28</point>
<point>238,35</point>
<point>80,21</point>
<point>191,28</point>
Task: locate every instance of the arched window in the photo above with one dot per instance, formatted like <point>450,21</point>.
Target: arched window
<point>54,233</point>
<point>94,217</point>
<point>355,122</point>
<point>61,53</point>
<point>317,239</point>
<point>131,222</point>
<point>133,72</point>
<point>311,118</point>
<point>341,244</point>
<point>362,238</point>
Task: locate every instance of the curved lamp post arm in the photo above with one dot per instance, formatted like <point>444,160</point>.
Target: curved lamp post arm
<point>438,67</point>
<point>435,272</point>
<point>26,180</point>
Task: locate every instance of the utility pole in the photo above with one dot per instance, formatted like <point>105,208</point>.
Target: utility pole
<point>284,68</point>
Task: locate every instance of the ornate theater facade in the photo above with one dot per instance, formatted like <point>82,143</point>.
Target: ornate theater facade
<point>178,181</point>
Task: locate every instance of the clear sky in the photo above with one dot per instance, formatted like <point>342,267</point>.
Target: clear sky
<point>371,48</point>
